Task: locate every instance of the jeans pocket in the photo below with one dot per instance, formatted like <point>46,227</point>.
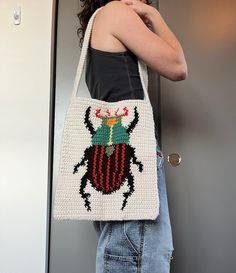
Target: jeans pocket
<point>134,234</point>
<point>122,250</point>
<point>121,244</point>
<point>120,264</point>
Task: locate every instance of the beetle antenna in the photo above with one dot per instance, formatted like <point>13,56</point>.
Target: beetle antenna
<point>108,113</point>
<point>126,111</point>
<point>98,115</point>
<point>116,112</point>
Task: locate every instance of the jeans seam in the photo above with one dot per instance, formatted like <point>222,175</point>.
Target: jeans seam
<point>127,238</point>
<point>108,240</point>
<point>140,255</point>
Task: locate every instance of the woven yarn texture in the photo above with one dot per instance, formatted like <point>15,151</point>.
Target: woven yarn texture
<point>108,162</point>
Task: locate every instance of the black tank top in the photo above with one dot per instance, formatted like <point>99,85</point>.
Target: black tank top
<point>113,76</point>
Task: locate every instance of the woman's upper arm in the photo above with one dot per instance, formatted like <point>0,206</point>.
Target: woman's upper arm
<point>129,29</point>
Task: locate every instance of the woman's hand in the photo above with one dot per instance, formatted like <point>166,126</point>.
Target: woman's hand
<point>141,8</point>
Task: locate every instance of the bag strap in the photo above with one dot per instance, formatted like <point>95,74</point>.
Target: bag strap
<point>142,67</point>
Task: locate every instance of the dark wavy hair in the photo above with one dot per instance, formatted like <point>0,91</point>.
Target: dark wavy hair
<point>88,8</point>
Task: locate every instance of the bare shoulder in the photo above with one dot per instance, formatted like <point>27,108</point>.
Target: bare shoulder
<point>115,4</point>
<point>119,17</point>
<point>116,10</point>
<point>108,22</point>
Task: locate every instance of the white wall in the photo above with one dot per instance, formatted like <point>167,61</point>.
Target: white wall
<point>25,56</point>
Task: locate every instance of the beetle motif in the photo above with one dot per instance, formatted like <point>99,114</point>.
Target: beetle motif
<point>109,157</point>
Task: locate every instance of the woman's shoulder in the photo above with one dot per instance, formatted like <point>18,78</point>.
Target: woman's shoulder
<point>116,8</point>
<point>116,14</point>
<point>115,3</point>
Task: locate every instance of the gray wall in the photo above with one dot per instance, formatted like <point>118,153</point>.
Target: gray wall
<point>198,122</point>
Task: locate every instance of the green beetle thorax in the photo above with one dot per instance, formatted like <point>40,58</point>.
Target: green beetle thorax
<point>111,131</point>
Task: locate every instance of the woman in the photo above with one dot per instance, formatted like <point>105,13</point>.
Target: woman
<point>122,31</point>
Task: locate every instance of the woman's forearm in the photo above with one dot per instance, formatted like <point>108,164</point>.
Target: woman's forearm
<point>159,26</point>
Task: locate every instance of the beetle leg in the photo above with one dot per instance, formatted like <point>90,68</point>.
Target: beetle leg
<point>82,162</point>
<point>84,195</point>
<point>137,162</point>
<point>131,189</point>
<point>88,122</point>
<point>133,122</point>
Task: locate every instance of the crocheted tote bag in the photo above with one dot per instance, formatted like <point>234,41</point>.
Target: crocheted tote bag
<point>107,166</point>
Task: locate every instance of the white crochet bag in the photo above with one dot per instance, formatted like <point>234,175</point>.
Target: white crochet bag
<point>107,168</point>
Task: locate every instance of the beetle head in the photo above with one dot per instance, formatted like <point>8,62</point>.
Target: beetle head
<point>109,119</point>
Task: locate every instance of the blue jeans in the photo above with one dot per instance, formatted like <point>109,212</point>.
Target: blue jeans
<point>137,246</point>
